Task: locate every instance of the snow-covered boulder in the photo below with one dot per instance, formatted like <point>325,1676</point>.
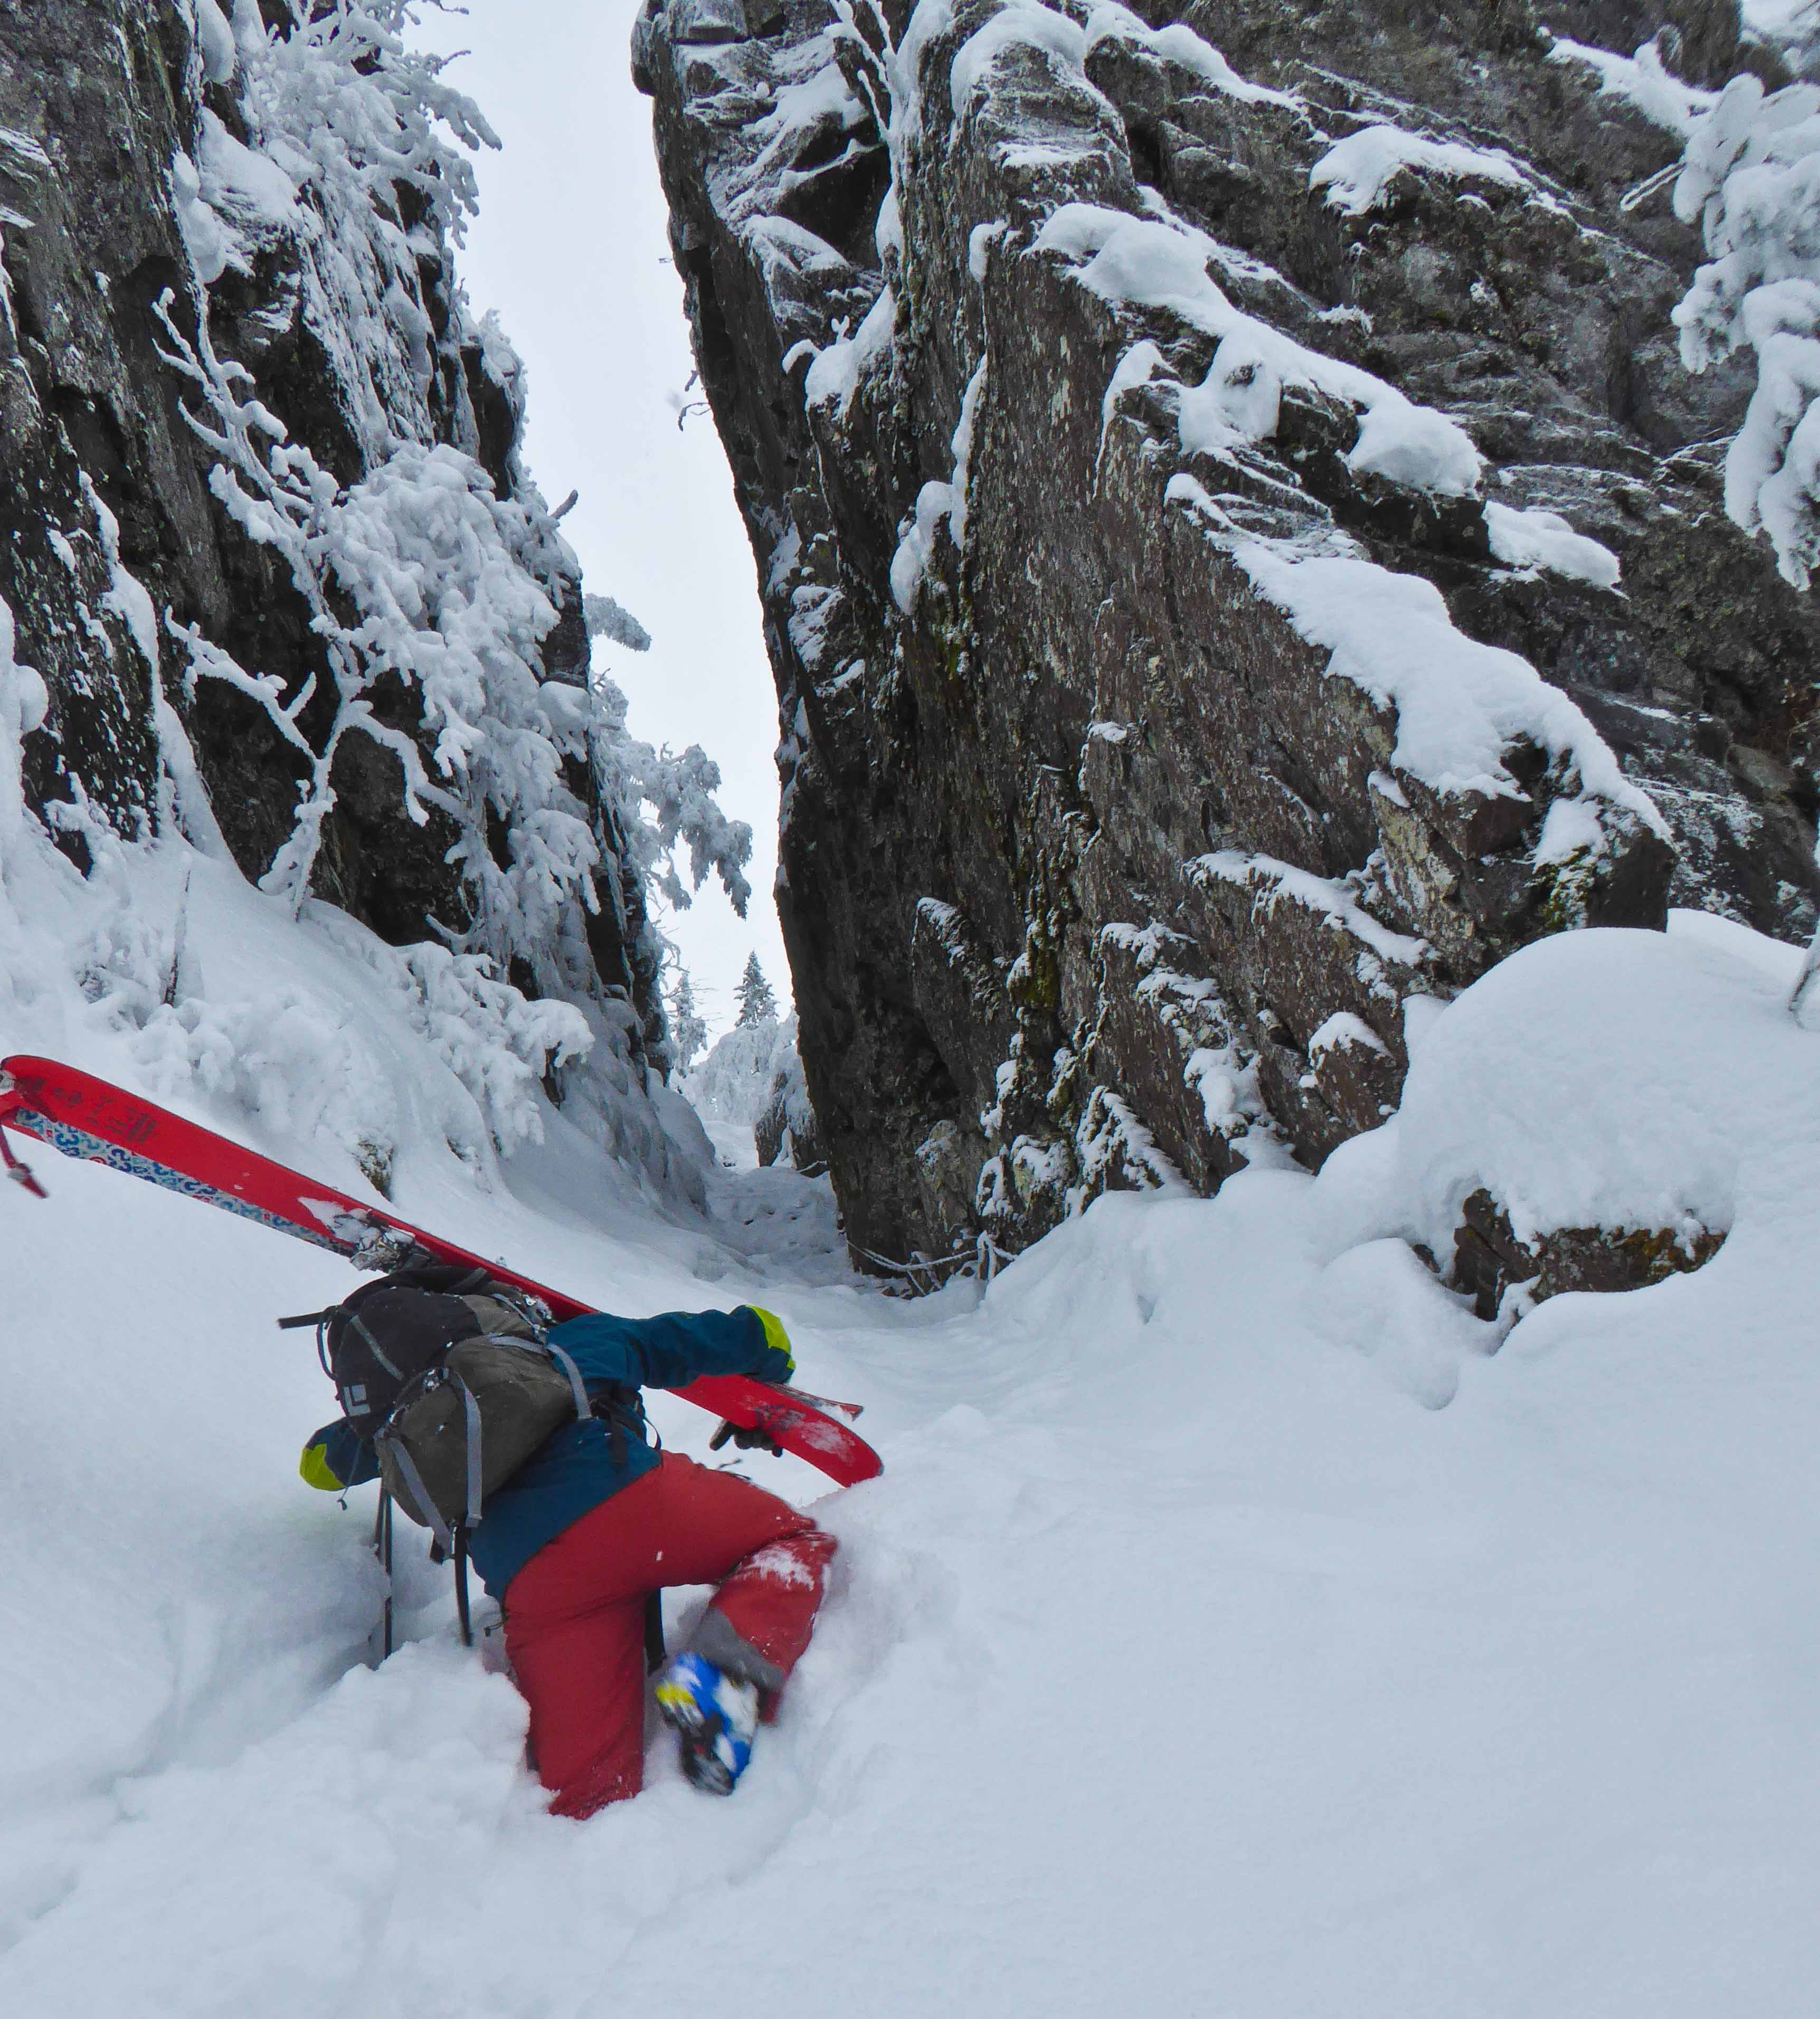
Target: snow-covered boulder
<point>1594,1113</point>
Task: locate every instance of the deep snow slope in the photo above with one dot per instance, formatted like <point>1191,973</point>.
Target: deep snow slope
<point>1231,1631</point>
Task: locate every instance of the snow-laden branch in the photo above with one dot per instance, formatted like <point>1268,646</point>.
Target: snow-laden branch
<point>1750,178</point>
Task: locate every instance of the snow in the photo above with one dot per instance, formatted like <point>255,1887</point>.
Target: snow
<point>422,572</point>
<point>915,547</point>
<point>733,1083</point>
<point>979,242</point>
<point>1018,24</point>
<point>1356,171</point>
<point>214,38</point>
<point>1534,539</point>
<point>1233,1628</point>
<point>1641,82</point>
<point>1458,703</point>
<point>1334,901</point>
<point>834,375</point>
<point>937,504</point>
<point>210,244</point>
<point>1343,1032</point>
<point>1177,43</point>
<point>1227,1613</point>
<point>1029,24</point>
<point>962,447</point>
<point>1139,365</point>
<point>341,118</point>
<point>1151,263</point>
<point>250,187</point>
<point>1776,17</point>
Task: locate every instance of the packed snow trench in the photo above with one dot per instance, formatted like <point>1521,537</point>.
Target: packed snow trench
<point>1233,1631</point>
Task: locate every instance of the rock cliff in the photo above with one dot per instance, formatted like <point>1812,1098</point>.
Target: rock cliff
<point>1241,553</point>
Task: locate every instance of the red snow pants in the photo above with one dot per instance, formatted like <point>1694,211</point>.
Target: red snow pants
<point>574,1614</point>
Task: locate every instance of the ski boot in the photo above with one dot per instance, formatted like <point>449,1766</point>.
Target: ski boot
<point>715,1715</point>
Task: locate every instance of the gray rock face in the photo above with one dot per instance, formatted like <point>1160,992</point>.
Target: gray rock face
<point>103,104</point>
<point>1122,605</point>
<point>86,255</point>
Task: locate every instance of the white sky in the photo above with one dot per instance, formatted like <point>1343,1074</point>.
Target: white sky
<point>572,248</point>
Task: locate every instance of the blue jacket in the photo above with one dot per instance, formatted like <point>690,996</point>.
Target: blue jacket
<point>574,1471</point>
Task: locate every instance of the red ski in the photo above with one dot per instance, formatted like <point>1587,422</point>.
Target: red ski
<point>84,1117</point>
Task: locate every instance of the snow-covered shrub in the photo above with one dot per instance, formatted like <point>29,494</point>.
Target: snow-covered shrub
<point>298,1057</point>
<point>668,798</point>
<point>422,571</point>
<point>416,574</point>
<point>287,1058</point>
<point>495,1041</point>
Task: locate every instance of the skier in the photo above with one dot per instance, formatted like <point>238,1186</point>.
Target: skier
<point>579,1538</point>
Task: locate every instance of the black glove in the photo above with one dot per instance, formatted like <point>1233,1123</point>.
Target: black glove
<point>754,1439</point>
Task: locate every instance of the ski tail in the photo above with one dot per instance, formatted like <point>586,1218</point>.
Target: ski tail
<point>72,1140</point>
<point>12,1101</point>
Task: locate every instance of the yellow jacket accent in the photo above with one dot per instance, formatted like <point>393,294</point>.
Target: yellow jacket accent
<point>315,1470</point>
<point>776,1336</point>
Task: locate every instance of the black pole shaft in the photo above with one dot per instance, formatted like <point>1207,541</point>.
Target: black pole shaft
<point>383,1549</point>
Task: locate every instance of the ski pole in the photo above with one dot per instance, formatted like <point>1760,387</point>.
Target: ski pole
<point>383,1549</point>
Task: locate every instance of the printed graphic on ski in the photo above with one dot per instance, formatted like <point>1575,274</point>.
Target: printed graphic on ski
<point>83,1117</point>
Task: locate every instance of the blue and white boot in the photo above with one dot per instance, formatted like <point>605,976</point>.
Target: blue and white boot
<point>715,1715</point>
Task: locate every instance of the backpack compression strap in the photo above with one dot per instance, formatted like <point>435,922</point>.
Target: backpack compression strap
<point>413,1479</point>
<point>583,1407</point>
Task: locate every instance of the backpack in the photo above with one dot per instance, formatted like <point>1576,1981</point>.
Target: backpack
<point>447,1372</point>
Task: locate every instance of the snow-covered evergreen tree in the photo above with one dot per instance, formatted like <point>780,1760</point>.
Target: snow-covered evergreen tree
<point>758,1004</point>
<point>688,1032</point>
<point>733,1081</point>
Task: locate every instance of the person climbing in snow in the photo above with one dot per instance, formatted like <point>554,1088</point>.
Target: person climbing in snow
<point>597,1520</point>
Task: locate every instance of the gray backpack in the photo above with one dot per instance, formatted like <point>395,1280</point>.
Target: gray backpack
<point>461,1428</point>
